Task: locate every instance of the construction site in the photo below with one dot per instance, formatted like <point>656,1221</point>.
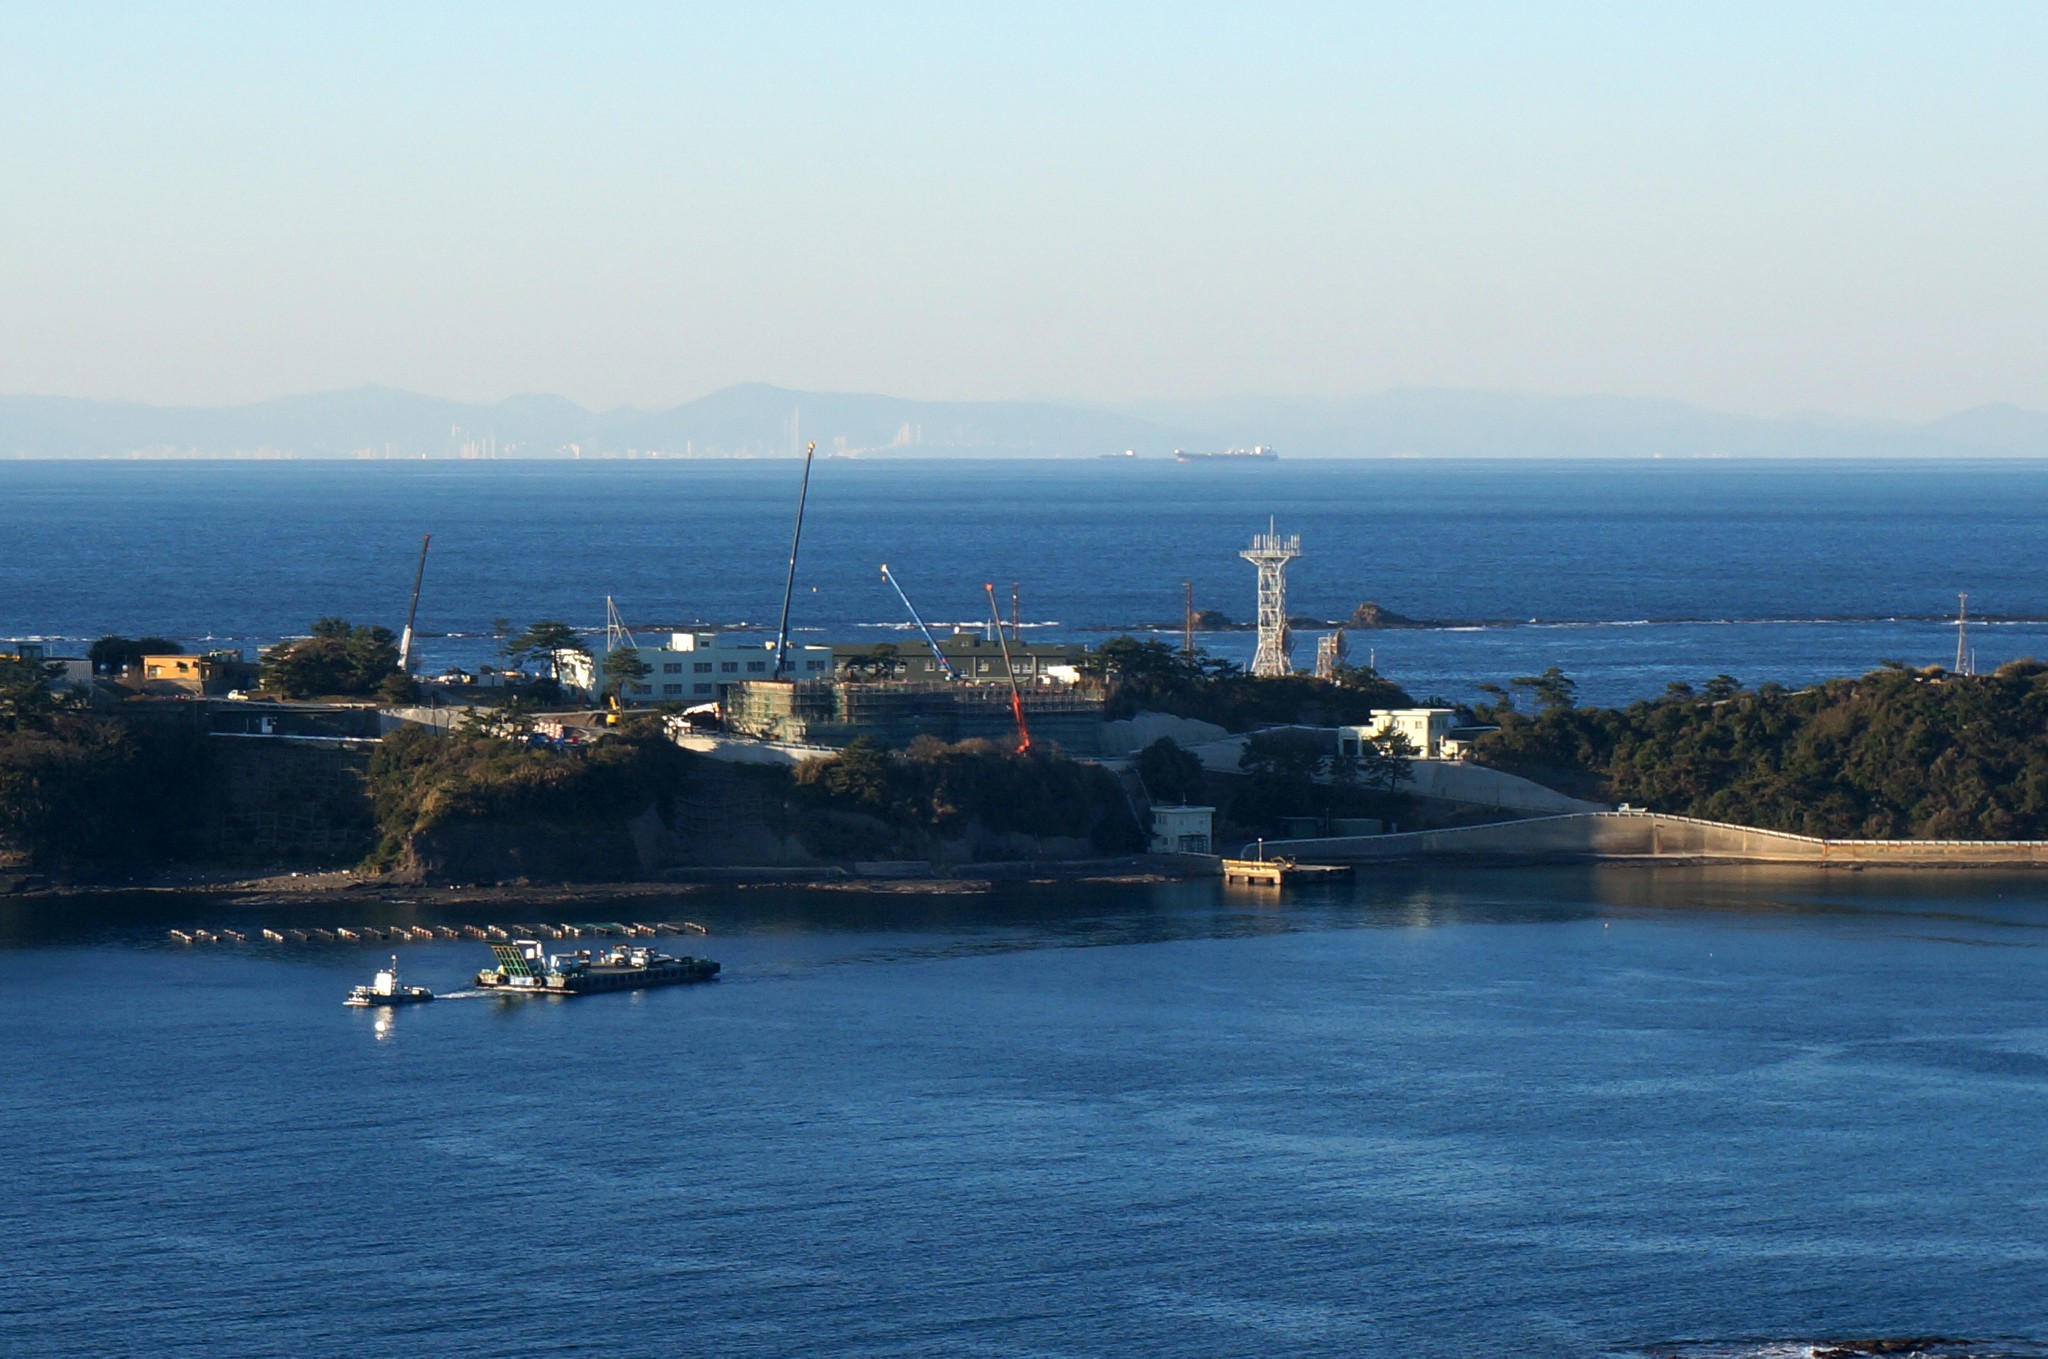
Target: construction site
<point>897,712</point>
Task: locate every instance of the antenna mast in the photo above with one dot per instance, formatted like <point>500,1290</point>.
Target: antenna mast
<point>789,586</point>
<point>1271,553</point>
<point>405,640</point>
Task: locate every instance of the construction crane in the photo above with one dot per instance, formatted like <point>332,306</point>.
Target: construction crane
<point>945,666</point>
<point>1016,695</point>
<point>789,586</point>
<point>412,611</point>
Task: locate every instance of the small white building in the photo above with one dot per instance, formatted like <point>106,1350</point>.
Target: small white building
<point>1425,729</point>
<point>1182,830</point>
<point>693,667</point>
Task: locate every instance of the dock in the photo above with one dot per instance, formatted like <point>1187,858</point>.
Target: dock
<point>1282,872</point>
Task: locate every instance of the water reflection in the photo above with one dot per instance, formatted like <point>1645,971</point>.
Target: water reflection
<point>1013,915</point>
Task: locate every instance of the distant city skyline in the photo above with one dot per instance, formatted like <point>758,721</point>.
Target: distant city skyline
<point>1769,210</point>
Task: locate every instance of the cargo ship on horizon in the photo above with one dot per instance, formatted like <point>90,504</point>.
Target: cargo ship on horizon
<point>1256,453</point>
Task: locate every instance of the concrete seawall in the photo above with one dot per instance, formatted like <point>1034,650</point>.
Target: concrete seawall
<point>1654,836</point>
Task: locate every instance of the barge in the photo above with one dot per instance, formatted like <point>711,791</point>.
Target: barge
<point>524,968</point>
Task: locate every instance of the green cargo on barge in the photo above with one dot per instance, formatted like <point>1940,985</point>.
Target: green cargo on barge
<point>525,969</point>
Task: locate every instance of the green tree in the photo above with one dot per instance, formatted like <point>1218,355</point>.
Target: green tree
<point>1552,689</point>
<point>623,669</point>
<point>26,698</point>
<point>548,640</point>
<point>881,662</point>
<point>1281,768</point>
<point>1899,752</point>
<point>1170,773</point>
<point>1384,763</point>
<point>339,658</point>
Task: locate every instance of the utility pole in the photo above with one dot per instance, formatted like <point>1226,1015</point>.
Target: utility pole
<point>1016,632</point>
<point>1187,619</point>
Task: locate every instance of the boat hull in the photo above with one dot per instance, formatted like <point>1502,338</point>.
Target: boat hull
<point>417,995</point>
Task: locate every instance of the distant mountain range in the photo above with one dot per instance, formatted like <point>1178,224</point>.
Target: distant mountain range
<point>756,420</point>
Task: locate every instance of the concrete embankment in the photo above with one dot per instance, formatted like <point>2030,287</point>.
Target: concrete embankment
<point>1654,836</point>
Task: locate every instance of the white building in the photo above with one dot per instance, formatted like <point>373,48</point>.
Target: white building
<point>1425,728</point>
<point>1182,830</point>
<point>693,667</point>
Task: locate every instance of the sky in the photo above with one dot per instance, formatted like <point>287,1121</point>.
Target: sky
<point>1772,208</point>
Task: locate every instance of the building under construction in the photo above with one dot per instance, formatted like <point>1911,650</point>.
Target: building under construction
<point>895,713</point>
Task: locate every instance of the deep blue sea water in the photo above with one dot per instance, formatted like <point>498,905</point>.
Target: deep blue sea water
<point>1635,573</point>
<point>1567,1113</point>
<point>1557,1113</point>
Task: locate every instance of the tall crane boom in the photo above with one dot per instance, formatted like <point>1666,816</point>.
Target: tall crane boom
<point>412,611</point>
<point>789,586</point>
<point>945,666</point>
<point>1016,696</point>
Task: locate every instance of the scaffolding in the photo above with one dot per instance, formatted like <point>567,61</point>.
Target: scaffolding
<point>895,713</point>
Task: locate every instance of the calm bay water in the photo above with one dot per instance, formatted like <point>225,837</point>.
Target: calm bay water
<point>1636,573</point>
<point>1559,1112</point>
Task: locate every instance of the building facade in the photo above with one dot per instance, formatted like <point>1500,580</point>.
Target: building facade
<point>974,656</point>
<point>1426,730</point>
<point>212,672</point>
<point>697,667</point>
<point>1183,830</point>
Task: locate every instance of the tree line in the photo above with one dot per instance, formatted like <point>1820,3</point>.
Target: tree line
<point>1897,753</point>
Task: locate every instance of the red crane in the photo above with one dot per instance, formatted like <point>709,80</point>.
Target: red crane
<point>1016,697</point>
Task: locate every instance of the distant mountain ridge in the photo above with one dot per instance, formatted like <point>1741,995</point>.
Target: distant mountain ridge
<point>758,420</point>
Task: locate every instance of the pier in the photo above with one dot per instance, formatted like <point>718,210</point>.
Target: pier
<point>1281,872</point>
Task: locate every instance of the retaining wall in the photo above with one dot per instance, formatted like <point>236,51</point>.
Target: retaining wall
<point>1654,835</point>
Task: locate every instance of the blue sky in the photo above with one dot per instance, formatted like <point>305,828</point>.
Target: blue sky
<point>1765,208</point>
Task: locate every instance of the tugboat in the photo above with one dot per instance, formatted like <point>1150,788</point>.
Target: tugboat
<point>524,969</point>
<point>385,990</point>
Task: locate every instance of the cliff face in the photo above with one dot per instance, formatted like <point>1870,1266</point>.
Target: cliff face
<point>662,838</point>
<point>285,803</point>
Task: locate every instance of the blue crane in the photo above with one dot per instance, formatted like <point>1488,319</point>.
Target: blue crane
<point>944,665</point>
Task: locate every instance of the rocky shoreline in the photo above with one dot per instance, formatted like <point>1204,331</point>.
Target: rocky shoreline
<point>234,891</point>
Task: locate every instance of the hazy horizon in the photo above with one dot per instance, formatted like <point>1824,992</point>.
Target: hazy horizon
<point>1766,210</point>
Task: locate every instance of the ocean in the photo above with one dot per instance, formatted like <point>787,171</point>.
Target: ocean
<point>1556,1113</point>
<point>1608,1113</point>
<point>1627,575</point>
